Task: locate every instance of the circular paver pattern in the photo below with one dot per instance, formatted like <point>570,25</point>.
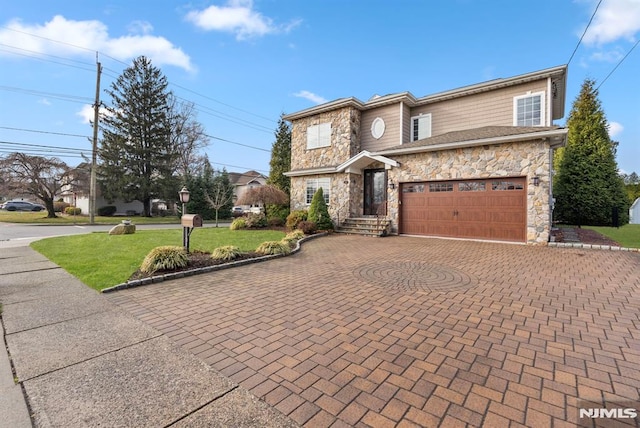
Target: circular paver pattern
<point>414,276</point>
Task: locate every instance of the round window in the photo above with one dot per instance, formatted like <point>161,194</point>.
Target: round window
<point>377,128</point>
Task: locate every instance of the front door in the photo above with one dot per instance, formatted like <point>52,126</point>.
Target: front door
<point>375,192</point>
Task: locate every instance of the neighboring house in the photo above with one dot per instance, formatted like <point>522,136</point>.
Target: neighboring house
<point>473,162</point>
<point>634,212</point>
<point>244,181</point>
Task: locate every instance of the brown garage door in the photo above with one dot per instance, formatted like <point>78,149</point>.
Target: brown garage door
<point>482,209</point>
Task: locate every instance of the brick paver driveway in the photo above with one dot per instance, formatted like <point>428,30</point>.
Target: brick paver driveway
<point>407,331</point>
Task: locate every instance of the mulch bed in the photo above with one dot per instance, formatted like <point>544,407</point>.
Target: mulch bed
<point>586,236</point>
<point>197,259</point>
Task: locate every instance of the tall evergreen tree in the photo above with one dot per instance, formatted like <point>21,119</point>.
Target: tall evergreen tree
<point>281,158</point>
<point>136,153</point>
<point>587,186</point>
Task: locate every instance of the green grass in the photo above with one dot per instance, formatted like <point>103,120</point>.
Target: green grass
<point>627,236</point>
<point>41,218</point>
<point>101,260</point>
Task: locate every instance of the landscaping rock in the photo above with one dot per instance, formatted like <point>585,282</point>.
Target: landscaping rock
<point>123,229</point>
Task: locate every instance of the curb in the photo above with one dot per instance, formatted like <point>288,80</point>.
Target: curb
<point>592,246</point>
<point>186,273</point>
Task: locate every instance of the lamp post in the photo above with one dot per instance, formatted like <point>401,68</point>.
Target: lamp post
<point>184,198</point>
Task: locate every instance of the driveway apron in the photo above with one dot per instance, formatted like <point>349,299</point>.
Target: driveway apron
<point>358,331</point>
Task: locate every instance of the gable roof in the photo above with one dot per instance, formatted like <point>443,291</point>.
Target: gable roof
<point>241,179</point>
<point>558,76</point>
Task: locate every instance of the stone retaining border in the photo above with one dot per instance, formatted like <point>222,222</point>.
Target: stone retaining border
<point>592,246</point>
<point>207,269</point>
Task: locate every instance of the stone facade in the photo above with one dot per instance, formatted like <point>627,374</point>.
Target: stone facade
<point>345,139</point>
<point>526,159</point>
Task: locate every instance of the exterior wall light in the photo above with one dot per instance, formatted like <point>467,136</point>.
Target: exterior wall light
<point>536,181</point>
<point>392,185</point>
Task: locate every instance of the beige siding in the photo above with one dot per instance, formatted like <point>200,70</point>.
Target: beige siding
<point>391,137</point>
<point>494,108</point>
<point>406,124</point>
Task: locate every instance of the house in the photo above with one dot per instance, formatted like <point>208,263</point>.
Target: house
<point>243,181</point>
<point>473,162</point>
<point>634,212</point>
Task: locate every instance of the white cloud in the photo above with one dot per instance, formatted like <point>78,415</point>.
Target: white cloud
<point>310,96</point>
<point>615,128</point>
<point>611,56</point>
<point>45,102</point>
<point>61,36</point>
<point>614,20</point>
<point>237,17</point>
<point>86,113</point>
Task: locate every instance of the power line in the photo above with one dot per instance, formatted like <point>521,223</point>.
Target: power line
<point>585,32</point>
<point>62,97</point>
<point>44,132</point>
<point>618,64</point>
<point>238,144</point>
<point>42,146</point>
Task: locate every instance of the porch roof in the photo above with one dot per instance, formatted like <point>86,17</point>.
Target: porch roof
<point>362,159</point>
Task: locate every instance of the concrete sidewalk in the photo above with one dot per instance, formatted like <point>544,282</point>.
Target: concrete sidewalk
<point>81,361</point>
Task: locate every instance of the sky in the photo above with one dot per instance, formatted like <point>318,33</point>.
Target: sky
<point>245,62</point>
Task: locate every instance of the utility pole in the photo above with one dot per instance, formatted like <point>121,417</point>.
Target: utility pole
<point>96,117</point>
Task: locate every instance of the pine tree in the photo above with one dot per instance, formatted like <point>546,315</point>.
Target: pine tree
<point>318,212</point>
<point>137,157</point>
<point>281,158</point>
<point>587,186</point>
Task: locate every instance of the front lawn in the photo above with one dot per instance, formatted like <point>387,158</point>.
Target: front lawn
<point>40,217</point>
<point>101,260</point>
<point>627,235</point>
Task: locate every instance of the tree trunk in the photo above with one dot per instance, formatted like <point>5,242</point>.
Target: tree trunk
<point>51,212</point>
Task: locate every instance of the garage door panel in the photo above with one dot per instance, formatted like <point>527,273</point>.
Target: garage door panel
<point>479,209</point>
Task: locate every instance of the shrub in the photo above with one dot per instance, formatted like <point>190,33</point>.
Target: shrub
<point>273,247</point>
<point>165,258</point>
<point>227,252</point>
<point>239,223</point>
<point>60,206</point>
<point>256,220</point>
<point>275,222</point>
<point>296,217</point>
<point>318,211</point>
<point>294,236</point>
<point>72,210</point>
<point>307,227</point>
<point>279,211</point>
<point>107,211</point>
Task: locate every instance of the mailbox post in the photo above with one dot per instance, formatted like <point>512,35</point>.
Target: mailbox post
<point>189,221</point>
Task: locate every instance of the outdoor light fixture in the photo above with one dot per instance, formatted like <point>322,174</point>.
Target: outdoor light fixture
<point>392,185</point>
<point>184,198</point>
<point>184,195</point>
<point>536,181</point>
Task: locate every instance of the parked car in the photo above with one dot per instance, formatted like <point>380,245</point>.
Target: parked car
<point>256,210</point>
<point>22,206</point>
<point>237,211</point>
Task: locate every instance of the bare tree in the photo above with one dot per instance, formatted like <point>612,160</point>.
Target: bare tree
<point>38,176</point>
<point>221,195</point>
<point>187,136</point>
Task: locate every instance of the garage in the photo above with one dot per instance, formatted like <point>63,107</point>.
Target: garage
<point>494,209</point>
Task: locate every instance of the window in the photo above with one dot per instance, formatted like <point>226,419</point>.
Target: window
<point>471,186</point>
<point>506,185</point>
<point>441,187</point>
<point>319,136</point>
<point>413,188</point>
<point>420,127</point>
<point>314,184</point>
<point>528,110</point>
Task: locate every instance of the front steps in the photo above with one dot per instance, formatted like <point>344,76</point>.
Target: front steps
<point>366,226</point>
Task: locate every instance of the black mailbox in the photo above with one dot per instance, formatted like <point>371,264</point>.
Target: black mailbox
<point>192,220</point>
